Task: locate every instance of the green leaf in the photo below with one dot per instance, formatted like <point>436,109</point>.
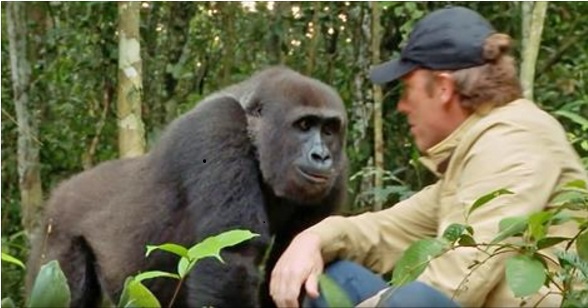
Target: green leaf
<point>466,240</point>
<point>524,275</point>
<point>561,218</point>
<point>8,258</point>
<point>211,246</point>
<point>574,117</point>
<point>453,232</point>
<point>488,197</point>
<point>7,302</point>
<point>582,245</point>
<point>333,294</point>
<point>184,267</point>
<point>550,241</point>
<point>135,294</point>
<point>510,226</point>
<point>416,258</point>
<point>154,274</point>
<point>581,184</point>
<point>572,199</point>
<point>537,225</point>
<point>169,247</point>
<point>50,288</point>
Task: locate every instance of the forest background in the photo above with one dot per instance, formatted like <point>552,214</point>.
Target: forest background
<point>63,67</point>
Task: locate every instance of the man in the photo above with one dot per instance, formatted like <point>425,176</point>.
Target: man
<point>464,105</point>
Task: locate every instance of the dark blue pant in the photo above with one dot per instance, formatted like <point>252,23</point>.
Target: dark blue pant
<point>359,284</point>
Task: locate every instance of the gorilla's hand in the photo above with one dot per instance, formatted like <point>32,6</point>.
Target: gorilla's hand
<point>301,264</point>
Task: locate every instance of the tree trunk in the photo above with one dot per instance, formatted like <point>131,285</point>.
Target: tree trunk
<point>277,34</point>
<point>313,44</point>
<point>131,135</point>
<point>229,41</point>
<point>28,145</point>
<point>378,135</point>
<point>533,19</point>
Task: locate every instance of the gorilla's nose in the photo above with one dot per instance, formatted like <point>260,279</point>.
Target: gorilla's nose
<point>320,157</point>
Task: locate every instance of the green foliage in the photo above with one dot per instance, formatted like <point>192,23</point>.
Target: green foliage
<point>487,198</point>
<point>7,303</point>
<point>416,258</point>
<point>50,288</point>
<point>136,294</point>
<point>8,258</point>
<point>209,247</point>
<point>525,275</point>
<point>333,294</point>
<point>526,271</point>
<point>74,56</point>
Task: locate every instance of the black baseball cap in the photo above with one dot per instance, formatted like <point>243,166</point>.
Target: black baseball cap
<point>451,38</point>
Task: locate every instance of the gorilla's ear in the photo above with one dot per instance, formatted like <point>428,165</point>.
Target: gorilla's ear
<point>252,104</point>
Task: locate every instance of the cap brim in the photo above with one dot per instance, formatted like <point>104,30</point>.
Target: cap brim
<point>390,71</point>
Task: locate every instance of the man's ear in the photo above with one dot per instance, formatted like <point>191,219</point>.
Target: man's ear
<point>446,87</point>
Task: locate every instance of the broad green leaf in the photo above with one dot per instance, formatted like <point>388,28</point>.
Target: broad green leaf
<point>466,240</point>
<point>488,197</point>
<point>135,294</point>
<point>8,258</point>
<point>453,232</point>
<point>333,294</point>
<point>50,288</point>
<point>537,225</point>
<point>169,247</point>
<point>154,274</point>
<point>211,246</point>
<point>510,226</point>
<point>524,275</point>
<point>7,302</point>
<point>416,258</point>
<point>550,241</point>
<point>582,245</point>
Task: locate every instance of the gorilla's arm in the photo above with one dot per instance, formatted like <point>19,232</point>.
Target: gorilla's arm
<point>209,157</point>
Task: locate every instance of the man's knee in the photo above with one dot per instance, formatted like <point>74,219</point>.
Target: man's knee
<point>415,294</point>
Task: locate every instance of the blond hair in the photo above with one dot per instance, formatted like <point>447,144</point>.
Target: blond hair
<point>492,84</point>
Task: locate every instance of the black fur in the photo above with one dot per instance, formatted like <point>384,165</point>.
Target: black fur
<point>204,177</point>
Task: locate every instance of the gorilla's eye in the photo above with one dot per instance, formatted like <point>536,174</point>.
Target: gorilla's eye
<point>303,124</point>
<point>331,127</point>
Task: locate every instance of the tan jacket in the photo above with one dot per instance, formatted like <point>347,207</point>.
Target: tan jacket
<point>518,147</point>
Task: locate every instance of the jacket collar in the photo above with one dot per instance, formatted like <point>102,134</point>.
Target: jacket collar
<point>437,157</point>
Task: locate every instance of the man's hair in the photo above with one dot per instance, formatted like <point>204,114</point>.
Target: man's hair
<point>492,84</point>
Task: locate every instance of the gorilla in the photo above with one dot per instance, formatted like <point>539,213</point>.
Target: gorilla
<point>266,155</point>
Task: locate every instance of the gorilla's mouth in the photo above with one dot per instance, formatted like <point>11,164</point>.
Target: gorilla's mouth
<point>314,176</point>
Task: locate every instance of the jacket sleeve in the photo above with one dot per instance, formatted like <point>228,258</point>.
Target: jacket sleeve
<point>378,239</point>
<point>504,156</point>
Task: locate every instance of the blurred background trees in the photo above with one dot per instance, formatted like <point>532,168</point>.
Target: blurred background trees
<point>61,73</point>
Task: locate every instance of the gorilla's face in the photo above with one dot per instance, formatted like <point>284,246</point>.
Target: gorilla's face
<point>301,140</point>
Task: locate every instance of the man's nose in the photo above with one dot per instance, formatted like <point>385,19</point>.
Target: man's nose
<point>401,107</point>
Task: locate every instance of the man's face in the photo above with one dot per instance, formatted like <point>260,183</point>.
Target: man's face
<point>426,114</point>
